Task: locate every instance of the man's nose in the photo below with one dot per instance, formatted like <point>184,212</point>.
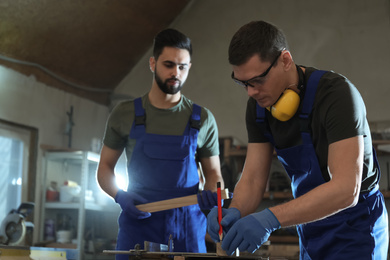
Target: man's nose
<point>175,72</point>
<point>251,91</point>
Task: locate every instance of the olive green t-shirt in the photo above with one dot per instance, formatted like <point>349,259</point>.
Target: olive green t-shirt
<point>338,113</point>
<point>172,121</point>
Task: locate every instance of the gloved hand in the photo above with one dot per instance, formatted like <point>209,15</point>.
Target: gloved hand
<point>250,232</point>
<point>127,201</point>
<point>207,199</point>
<point>229,217</point>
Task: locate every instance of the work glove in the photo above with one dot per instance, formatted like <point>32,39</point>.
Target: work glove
<point>250,232</point>
<point>229,217</point>
<point>127,200</point>
<point>207,199</point>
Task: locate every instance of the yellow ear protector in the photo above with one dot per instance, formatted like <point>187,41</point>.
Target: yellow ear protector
<point>286,106</point>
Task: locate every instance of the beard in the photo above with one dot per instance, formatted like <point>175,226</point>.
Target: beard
<point>166,86</point>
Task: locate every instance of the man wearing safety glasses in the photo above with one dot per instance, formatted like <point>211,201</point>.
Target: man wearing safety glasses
<point>316,122</point>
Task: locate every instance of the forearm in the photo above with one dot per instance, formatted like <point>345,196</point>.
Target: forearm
<point>107,181</point>
<point>321,202</point>
<point>211,168</point>
<point>211,182</point>
<point>247,196</point>
<point>250,189</point>
<point>105,173</point>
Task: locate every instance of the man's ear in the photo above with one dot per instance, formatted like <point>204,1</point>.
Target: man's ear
<point>287,60</point>
<point>189,65</point>
<point>152,64</point>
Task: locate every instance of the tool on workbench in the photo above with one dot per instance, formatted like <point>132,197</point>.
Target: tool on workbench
<point>156,247</point>
<point>13,228</point>
<point>170,243</point>
<point>175,203</point>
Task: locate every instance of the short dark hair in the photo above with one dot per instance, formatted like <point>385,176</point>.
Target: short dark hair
<point>256,37</point>
<point>171,38</point>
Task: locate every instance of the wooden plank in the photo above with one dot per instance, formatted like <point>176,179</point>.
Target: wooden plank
<point>284,239</point>
<point>175,202</point>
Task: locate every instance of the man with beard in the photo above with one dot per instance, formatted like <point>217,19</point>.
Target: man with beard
<point>162,133</point>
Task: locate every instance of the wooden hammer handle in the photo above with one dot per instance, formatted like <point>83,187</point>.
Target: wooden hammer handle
<point>175,203</point>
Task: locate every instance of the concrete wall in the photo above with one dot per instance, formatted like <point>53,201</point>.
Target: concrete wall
<point>349,37</point>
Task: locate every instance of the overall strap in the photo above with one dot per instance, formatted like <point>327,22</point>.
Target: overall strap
<point>139,119</point>
<point>260,115</point>
<point>195,122</point>
<point>262,123</point>
<point>307,105</point>
<point>139,112</point>
<point>311,90</point>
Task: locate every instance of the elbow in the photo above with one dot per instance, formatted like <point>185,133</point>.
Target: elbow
<point>350,198</point>
<point>352,201</point>
<point>346,192</point>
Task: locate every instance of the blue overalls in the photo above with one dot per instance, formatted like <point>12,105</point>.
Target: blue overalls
<point>360,232</point>
<point>163,167</point>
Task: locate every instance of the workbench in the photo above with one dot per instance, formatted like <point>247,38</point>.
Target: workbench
<point>36,253</point>
<point>145,255</point>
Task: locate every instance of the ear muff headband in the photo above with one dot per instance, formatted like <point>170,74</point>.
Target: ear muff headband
<point>286,106</point>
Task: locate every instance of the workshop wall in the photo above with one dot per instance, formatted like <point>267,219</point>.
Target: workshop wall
<point>28,102</point>
<point>349,37</point>
<point>23,100</point>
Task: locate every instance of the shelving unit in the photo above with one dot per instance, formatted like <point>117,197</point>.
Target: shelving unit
<point>234,158</point>
<point>94,215</point>
<point>381,145</point>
